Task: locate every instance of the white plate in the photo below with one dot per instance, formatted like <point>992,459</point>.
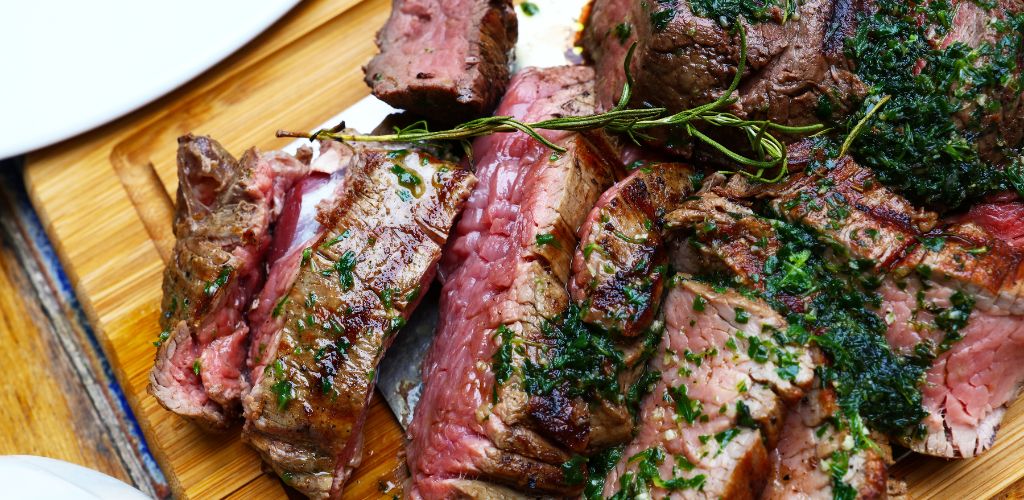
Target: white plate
<point>39,478</point>
<point>70,65</point>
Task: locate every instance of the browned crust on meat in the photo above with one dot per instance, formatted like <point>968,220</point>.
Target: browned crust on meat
<point>729,231</point>
<point>619,265</point>
<point>362,279</point>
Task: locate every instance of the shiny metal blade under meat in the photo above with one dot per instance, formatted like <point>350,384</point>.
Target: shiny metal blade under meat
<point>399,379</point>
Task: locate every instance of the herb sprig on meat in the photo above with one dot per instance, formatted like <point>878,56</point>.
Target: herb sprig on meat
<point>767,152</point>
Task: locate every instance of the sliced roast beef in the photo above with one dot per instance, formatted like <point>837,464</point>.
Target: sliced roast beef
<point>222,221</point>
<point>684,59</point>
<point>809,462</point>
<point>731,239</point>
<point>954,301</point>
<point>476,430</point>
<point>306,206</point>
<point>444,59</point>
<point>620,262</point>
<point>354,288</point>
<point>707,427</point>
<point>950,295</point>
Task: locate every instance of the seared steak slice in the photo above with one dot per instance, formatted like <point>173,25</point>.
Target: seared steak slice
<point>299,226</point>
<point>355,287</point>
<point>684,60</point>
<point>950,294</point>
<point>729,236</point>
<point>846,204</point>
<point>959,308</point>
<point>810,444</point>
<point>445,59</point>
<point>801,69</point>
<point>505,277</point>
<point>223,214</point>
<point>716,411</point>
<point>620,262</point>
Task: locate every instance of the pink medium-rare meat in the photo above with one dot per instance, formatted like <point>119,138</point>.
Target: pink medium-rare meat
<point>951,293</point>
<point>506,271</point>
<point>1003,219</point>
<point>444,59</point>
<point>355,287</point>
<point>729,237</point>
<point>961,305</point>
<point>716,411</point>
<point>807,445</point>
<point>620,262</point>
<point>296,229</point>
<point>222,220</point>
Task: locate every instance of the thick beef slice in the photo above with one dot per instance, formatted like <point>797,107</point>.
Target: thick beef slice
<point>846,205</point>
<point>730,237</point>
<point>444,59</point>
<point>692,60</point>
<point>977,373</point>
<point>928,267</point>
<point>620,262</point>
<point>354,289</point>
<point>508,267</point>
<point>222,218</point>
<point>683,60</point>
<point>720,400</point>
<point>800,462</point>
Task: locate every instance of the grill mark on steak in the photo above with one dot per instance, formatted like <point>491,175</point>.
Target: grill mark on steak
<point>747,243</point>
<point>704,357</point>
<point>965,405</point>
<point>222,218</point>
<point>444,59</point>
<point>728,232</point>
<point>468,433</point>
<point>620,262</point>
<point>359,284</point>
<point>847,206</point>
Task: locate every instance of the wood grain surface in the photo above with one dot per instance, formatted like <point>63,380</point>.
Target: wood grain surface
<point>106,202</point>
<point>58,400</point>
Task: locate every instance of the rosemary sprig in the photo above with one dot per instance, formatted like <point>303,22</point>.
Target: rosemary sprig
<point>768,151</point>
<point>860,125</point>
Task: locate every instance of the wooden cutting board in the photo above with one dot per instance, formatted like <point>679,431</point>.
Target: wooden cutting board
<point>105,199</point>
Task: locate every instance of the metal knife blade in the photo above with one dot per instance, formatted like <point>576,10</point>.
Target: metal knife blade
<point>399,374</point>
